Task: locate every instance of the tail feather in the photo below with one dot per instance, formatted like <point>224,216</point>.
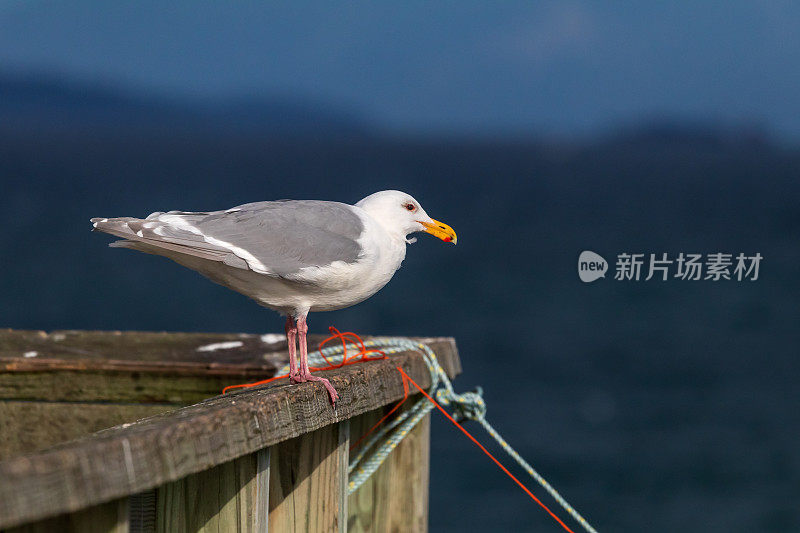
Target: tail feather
<point>136,237</point>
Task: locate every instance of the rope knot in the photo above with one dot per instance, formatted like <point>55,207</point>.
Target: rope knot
<point>466,406</point>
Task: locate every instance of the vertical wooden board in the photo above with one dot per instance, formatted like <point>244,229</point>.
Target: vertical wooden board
<point>170,508</point>
<point>360,504</point>
<point>111,517</point>
<point>246,504</point>
<point>223,498</point>
<point>262,491</point>
<point>343,452</point>
<point>395,497</point>
<point>305,482</point>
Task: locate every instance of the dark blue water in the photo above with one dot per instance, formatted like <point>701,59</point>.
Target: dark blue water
<point>652,406</point>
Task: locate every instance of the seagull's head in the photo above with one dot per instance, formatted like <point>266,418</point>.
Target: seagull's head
<point>401,214</point>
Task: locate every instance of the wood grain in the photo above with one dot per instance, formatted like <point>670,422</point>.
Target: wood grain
<point>223,498</point>
<point>262,490</point>
<point>305,482</point>
<point>137,346</point>
<point>395,497</point>
<point>115,386</point>
<point>27,427</point>
<point>141,367</point>
<point>343,476</point>
<point>143,455</point>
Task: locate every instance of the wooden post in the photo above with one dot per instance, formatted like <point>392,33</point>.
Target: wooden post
<point>224,498</point>
<point>307,475</point>
<point>395,498</point>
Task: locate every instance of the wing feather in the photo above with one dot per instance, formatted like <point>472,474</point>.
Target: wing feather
<point>275,238</point>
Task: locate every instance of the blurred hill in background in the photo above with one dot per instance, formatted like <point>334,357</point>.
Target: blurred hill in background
<point>41,104</point>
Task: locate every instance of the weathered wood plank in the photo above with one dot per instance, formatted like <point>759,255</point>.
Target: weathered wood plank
<point>133,366</point>
<point>27,427</point>
<point>142,367</point>
<point>343,451</point>
<point>395,498</point>
<point>262,490</point>
<point>145,347</point>
<point>111,517</point>
<point>146,454</point>
<point>138,346</point>
<point>116,386</point>
<point>305,480</point>
<point>223,498</point>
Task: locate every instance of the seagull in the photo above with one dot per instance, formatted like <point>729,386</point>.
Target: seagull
<point>292,256</point>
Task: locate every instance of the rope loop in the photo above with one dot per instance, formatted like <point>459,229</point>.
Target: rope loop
<point>465,406</point>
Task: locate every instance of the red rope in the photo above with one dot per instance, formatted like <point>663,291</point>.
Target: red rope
<point>387,415</point>
<point>492,457</point>
<point>362,355</point>
<point>346,337</point>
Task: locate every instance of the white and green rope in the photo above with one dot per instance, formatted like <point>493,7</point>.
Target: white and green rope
<point>469,405</point>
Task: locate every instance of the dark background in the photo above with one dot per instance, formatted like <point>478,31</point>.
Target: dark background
<point>537,133</point>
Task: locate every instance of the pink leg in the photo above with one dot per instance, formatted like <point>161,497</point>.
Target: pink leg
<point>291,340</point>
<point>302,329</point>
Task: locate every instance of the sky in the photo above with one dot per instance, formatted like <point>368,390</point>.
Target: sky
<point>560,67</point>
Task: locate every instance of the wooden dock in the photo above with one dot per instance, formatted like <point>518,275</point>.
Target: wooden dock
<point>127,432</point>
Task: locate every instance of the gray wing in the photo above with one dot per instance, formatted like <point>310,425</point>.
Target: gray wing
<point>276,238</point>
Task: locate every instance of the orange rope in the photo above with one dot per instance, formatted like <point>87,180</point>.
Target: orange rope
<point>361,356</point>
<point>344,337</point>
<point>387,415</point>
<point>473,439</point>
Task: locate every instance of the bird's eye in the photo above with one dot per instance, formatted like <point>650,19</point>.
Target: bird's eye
<point>410,207</point>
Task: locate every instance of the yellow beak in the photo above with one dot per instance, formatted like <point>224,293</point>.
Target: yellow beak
<point>441,230</point>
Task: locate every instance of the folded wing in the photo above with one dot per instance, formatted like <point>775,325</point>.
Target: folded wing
<point>272,238</point>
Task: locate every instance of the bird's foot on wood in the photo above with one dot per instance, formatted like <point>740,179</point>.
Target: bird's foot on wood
<point>297,378</point>
<point>331,391</point>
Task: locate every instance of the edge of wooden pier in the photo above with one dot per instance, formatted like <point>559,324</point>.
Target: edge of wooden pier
<point>237,437</point>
